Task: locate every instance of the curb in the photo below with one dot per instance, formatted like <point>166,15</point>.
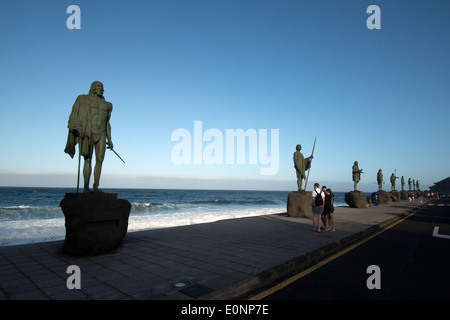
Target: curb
<point>268,278</point>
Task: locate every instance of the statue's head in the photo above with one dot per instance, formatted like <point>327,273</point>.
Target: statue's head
<point>298,147</point>
<point>356,163</point>
<point>96,89</point>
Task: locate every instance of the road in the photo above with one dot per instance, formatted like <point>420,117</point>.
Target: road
<point>412,264</point>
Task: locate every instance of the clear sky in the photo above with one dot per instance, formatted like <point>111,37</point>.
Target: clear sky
<point>305,68</point>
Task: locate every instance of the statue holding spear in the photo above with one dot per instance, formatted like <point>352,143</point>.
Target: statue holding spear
<point>356,174</point>
<point>89,128</point>
<point>301,165</point>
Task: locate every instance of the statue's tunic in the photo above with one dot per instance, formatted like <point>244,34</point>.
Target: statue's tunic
<point>301,164</point>
<point>379,178</point>
<point>87,124</point>
<point>356,173</point>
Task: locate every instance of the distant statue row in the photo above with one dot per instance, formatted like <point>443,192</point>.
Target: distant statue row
<point>357,177</point>
<point>302,164</point>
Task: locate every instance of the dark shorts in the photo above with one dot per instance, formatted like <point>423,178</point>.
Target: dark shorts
<point>317,209</point>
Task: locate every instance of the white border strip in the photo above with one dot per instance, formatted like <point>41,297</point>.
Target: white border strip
<point>437,235</point>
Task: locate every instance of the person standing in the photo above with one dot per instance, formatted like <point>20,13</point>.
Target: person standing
<point>318,198</point>
<point>328,209</point>
<point>324,214</point>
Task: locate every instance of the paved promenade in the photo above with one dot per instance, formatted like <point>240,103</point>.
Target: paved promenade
<point>220,260</point>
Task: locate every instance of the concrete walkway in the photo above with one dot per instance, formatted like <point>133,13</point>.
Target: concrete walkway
<point>219,260</point>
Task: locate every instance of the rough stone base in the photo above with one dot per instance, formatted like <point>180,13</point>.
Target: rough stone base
<point>299,204</point>
<point>403,195</point>
<point>395,196</point>
<point>356,199</point>
<point>384,197</point>
<point>95,222</point>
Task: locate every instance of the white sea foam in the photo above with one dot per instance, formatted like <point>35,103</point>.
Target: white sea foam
<point>15,232</point>
<point>30,231</point>
<point>159,220</point>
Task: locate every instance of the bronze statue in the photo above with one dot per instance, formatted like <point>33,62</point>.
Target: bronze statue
<point>380,180</point>
<point>89,127</point>
<point>393,178</point>
<point>301,165</point>
<point>403,183</point>
<point>409,184</point>
<point>356,173</point>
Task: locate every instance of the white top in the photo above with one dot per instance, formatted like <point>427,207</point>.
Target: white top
<point>318,191</point>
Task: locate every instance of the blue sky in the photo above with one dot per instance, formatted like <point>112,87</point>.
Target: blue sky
<point>307,68</point>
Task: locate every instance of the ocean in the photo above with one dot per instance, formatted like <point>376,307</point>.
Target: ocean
<point>29,215</point>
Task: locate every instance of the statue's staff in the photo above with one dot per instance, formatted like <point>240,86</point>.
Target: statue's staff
<point>312,153</point>
<point>79,160</point>
<point>116,154</point>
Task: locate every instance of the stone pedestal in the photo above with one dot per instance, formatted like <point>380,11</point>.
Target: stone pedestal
<point>356,199</point>
<point>95,222</point>
<point>395,196</point>
<point>403,195</point>
<point>384,197</point>
<point>299,204</point>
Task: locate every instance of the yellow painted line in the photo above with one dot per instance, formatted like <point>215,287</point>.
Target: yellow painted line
<point>321,263</point>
